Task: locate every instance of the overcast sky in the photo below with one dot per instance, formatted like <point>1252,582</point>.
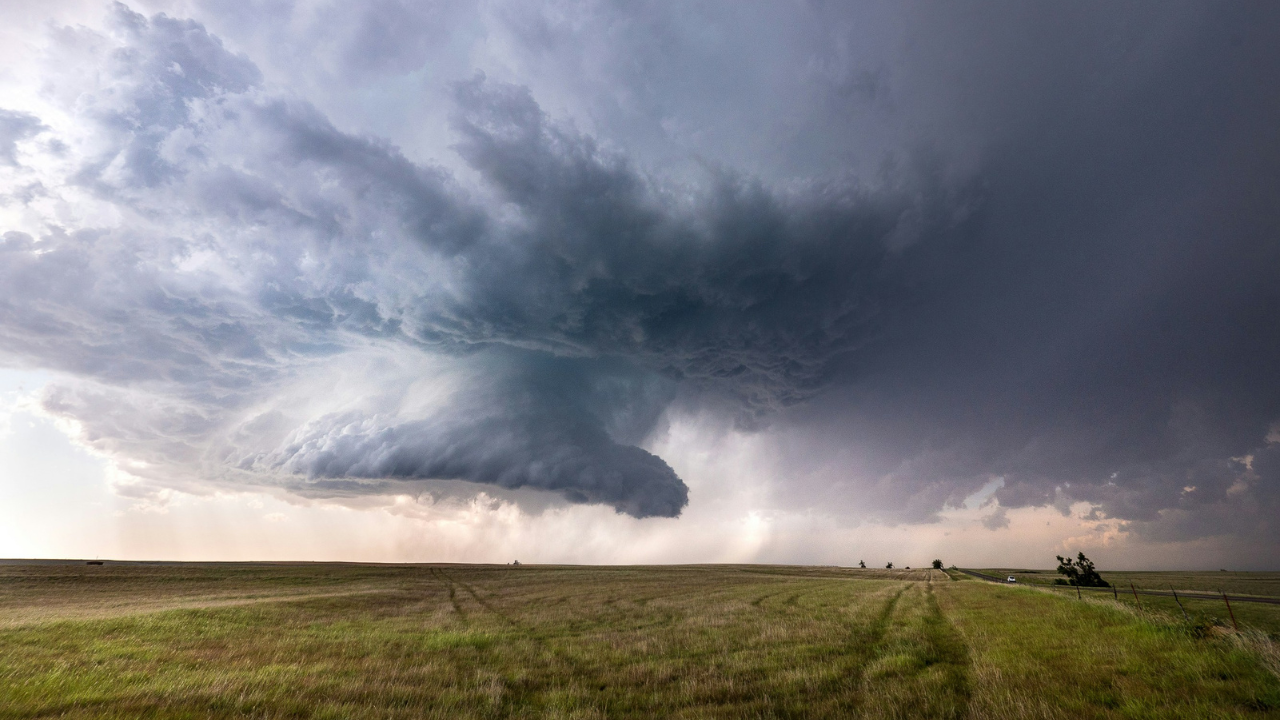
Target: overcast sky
<point>641,282</point>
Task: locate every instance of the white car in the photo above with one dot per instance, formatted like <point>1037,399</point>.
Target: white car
<point>1012,579</point>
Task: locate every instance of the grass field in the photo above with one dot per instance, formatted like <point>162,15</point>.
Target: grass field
<point>1213,611</point>
<point>1236,583</point>
<point>384,641</point>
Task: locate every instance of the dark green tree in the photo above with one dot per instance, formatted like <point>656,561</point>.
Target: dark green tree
<point>937,564</point>
<point>888,566</point>
<point>1081,572</point>
<point>862,564</point>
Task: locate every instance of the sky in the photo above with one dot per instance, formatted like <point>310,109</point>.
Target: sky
<point>643,282</point>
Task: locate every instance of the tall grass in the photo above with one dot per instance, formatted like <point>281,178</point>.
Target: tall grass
<point>330,641</point>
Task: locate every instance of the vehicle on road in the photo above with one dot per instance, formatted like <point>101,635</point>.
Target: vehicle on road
<point>1012,579</point>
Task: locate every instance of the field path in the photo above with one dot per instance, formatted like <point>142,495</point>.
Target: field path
<point>917,664</point>
<point>452,589</point>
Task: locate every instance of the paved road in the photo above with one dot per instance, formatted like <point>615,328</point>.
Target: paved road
<point>1158,593</point>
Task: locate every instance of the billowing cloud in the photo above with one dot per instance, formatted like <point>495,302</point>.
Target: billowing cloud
<point>910,253</point>
<point>255,240</point>
<point>15,126</point>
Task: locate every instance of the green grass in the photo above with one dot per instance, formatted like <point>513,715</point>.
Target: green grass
<point>367,641</point>
<point>1212,611</point>
<point>1235,583</point>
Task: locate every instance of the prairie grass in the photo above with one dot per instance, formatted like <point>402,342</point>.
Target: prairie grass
<point>1201,610</point>
<point>1039,654</point>
<point>437,641</point>
<point>1236,583</point>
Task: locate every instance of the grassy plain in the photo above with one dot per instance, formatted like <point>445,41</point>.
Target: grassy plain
<point>1236,583</point>
<point>1200,609</point>
<point>382,641</point>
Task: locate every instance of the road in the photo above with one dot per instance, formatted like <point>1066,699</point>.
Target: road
<point>1157,593</point>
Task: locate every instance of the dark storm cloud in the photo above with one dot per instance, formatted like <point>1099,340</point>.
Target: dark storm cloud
<point>1111,332</point>
<point>737,289</point>
<point>537,423</point>
<point>1029,244</point>
<point>742,291</point>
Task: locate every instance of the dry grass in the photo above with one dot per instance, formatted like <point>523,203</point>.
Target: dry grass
<point>352,641</point>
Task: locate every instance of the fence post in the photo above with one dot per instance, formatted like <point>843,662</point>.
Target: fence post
<point>1115,594</point>
<point>1077,592</point>
<point>1135,591</point>
<point>1175,599</point>
<point>1229,610</point>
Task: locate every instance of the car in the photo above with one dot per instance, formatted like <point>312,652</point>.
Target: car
<point>1012,579</point>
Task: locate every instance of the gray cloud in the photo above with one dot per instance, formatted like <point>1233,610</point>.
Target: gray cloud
<point>530,426</point>
<point>15,127</point>
<point>917,251</point>
<point>333,239</point>
<point>997,520</point>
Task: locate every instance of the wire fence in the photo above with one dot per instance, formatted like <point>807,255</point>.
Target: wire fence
<point>1115,592</point>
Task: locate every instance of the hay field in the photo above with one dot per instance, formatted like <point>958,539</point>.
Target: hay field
<point>447,641</point>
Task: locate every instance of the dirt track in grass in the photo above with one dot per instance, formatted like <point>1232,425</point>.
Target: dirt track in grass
<point>312,640</point>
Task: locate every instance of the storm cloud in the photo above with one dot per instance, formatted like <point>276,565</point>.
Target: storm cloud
<point>918,250</point>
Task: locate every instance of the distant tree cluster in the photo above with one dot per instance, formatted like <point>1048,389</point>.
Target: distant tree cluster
<point>937,565</point>
<point>1080,572</point>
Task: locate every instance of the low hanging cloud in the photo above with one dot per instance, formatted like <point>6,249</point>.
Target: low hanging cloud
<point>1029,249</point>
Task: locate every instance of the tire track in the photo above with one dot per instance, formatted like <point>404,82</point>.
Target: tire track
<point>927,660</point>
<point>453,592</point>
<point>947,648</point>
<point>521,694</point>
<point>863,646</point>
<point>481,601</point>
<point>757,603</point>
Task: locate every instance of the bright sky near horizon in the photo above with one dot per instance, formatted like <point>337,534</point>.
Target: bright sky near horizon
<point>613,283</point>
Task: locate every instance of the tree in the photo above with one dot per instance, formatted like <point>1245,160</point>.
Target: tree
<point>888,566</point>
<point>1080,572</point>
<point>862,565</point>
<point>937,564</point>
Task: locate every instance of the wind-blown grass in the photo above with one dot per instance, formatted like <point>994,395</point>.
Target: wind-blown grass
<point>1192,586</point>
<point>1205,581</point>
<point>351,641</point>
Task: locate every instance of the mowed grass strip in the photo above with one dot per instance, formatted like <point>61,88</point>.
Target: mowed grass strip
<point>1204,581</point>
<point>1202,610</point>
<point>720,641</point>
<point>1038,654</point>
